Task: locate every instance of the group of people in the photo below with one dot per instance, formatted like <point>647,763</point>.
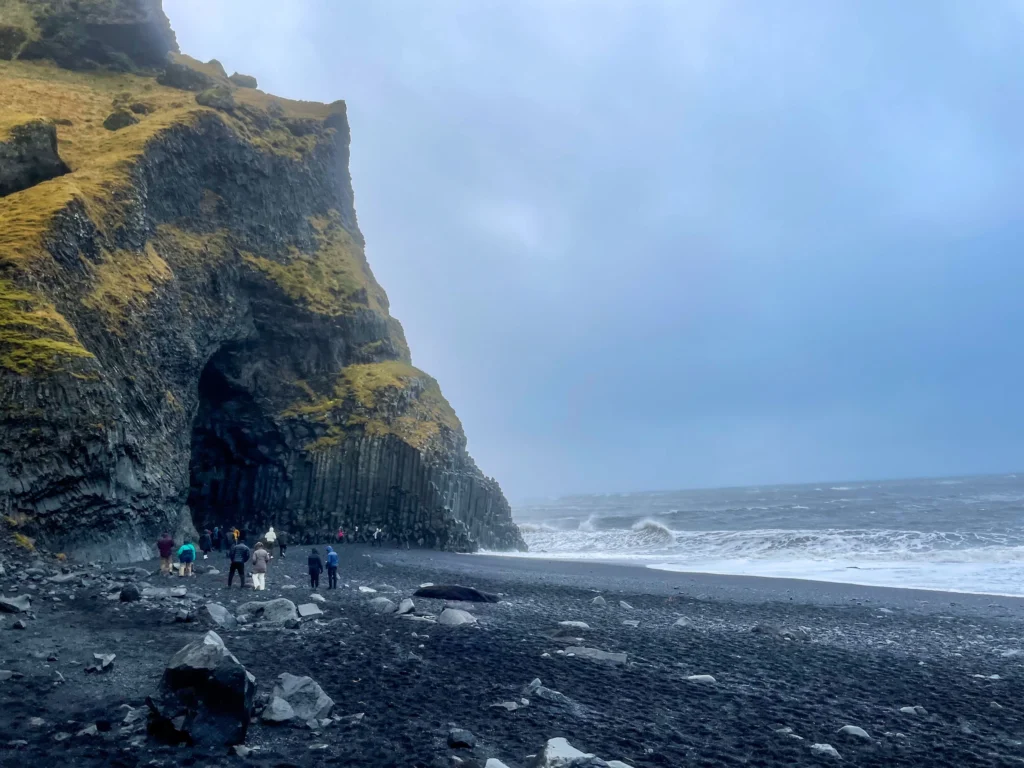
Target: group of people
<point>374,534</point>
<point>233,541</point>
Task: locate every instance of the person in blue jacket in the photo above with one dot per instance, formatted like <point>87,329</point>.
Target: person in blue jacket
<point>332,568</point>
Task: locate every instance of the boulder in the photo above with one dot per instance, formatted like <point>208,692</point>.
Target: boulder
<point>304,696</point>
<point>596,654</point>
<point>119,119</point>
<point>825,749</point>
<point>18,604</point>
<point>205,698</point>
<point>599,601</point>
<point>28,156</point>
<point>625,606</point>
<point>19,624</point>
<point>277,611</point>
<point>682,621</point>
<point>102,662</point>
<point>184,77</point>
<point>244,81</point>
<point>310,610</point>
<point>453,617</point>
<point>130,594</point>
<point>460,738</point>
<point>219,97</point>
<point>919,711</point>
<point>220,616</point>
<point>381,605</point>
<point>455,593</point>
<point>406,606</point>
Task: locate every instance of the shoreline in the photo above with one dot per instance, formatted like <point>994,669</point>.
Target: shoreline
<point>671,568</point>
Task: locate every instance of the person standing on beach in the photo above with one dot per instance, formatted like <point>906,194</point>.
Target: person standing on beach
<point>165,545</point>
<point>282,542</point>
<point>239,556</point>
<point>376,537</point>
<point>316,567</point>
<point>260,561</point>
<point>186,556</point>
<point>206,543</point>
<point>332,569</point>
<point>270,537</point>
<point>341,535</point>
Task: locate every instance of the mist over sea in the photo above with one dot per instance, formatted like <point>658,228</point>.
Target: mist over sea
<point>960,534</point>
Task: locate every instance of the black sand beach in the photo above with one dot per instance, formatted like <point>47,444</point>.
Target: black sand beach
<point>851,656</point>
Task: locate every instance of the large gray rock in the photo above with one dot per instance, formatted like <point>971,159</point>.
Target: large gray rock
<point>220,616</point>
<point>244,81</point>
<point>277,611</point>
<point>406,606</point>
<point>559,753</point>
<point>854,732</point>
<point>18,604</point>
<point>164,592</point>
<point>596,654</point>
<point>453,617</point>
<point>306,698</point>
<point>28,156</point>
<point>205,698</point>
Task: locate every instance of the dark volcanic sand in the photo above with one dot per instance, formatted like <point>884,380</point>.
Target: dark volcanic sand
<point>871,651</point>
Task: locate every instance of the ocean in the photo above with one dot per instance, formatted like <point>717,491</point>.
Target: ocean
<point>963,534</point>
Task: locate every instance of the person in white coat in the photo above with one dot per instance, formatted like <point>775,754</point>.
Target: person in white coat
<point>270,537</point>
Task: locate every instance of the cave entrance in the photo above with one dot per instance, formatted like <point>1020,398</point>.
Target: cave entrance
<point>238,462</point>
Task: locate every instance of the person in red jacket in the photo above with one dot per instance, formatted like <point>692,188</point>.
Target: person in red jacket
<point>166,546</point>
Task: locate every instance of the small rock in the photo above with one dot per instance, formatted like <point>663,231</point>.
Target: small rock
<point>277,711</point>
<point>309,610</point>
<point>596,654</point>
<point>701,679</point>
<point>381,605</point>
<point>406,606</point>
<point>493,762</point>
<point>92,730</point>
<point>306,698</point>
<point>920,711</point>
<point>559,753</point>
<point>825,749</point>
<point>854,732</point>
<point>626,606</point>
<point>454,617</point>
<point>508,706</point>
<point>130,594</point>
<point>599,601</point>
<point>164,592</point>
<point>317,598</point>
<point>18,604</point>
<point>368,590</point>
<point>631,623</point>
<point>682,621</point>
<point>103,662</point>
<point>220,616</point>
<point>19,624</point>
<point>459,738</point>
<point>574,624</point>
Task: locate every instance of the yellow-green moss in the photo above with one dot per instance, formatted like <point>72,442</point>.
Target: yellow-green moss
<point>25,542</point>
<point>335,280</point>
<point>34,336</point>
<point>359,395</point>
<point>122,282</point>
<point>16,13</point>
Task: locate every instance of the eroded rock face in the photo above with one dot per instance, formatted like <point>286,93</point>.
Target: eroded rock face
<point>265,382</point>
<point>28,155</point>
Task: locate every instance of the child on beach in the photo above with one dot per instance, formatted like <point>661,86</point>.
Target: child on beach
<point>186,556</point>
<point>316,567</point>
<point>165,545</point>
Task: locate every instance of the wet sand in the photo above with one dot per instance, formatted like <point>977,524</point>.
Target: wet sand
<point>855,657</point>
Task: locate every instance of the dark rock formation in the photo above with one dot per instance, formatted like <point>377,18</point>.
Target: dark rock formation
<point>120,119</point>
<point>28,155</point>
<point>218,97</point>
<point>206,696</point>
<point>454,592</point>
<point>244,81</point>
<point>190,333</point>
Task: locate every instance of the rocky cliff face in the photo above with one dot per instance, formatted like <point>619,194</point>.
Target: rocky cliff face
<point>189,329</point>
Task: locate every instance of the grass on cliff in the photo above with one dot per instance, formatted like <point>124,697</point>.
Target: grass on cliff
<point>101,162</point>
<point>123,281</point>
<point>334,280</point>
<point>387,398</point>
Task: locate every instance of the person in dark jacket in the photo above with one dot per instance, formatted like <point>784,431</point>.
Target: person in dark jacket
<point>206,543</point>
<point>239,556</point>
<point>282,542</point>
<point>316,567</point>
<point>165,545</point>
<point>332,568</point>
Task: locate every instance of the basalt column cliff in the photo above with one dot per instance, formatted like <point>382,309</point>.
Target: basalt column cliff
<point>190,333</point>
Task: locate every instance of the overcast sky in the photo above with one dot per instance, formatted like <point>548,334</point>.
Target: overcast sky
<point>649,245</point>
